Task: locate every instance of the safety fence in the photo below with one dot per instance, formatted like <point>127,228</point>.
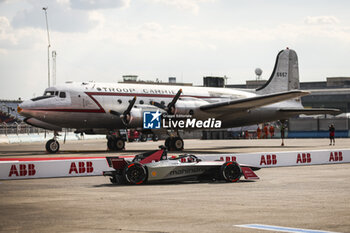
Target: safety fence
<point>19,128</point>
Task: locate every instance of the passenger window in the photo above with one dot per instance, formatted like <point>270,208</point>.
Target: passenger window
<point>141,102</point>
<point>56,93</point>
<point>62,94</point>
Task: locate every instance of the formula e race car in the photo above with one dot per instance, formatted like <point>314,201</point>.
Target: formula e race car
<point>155,167</point>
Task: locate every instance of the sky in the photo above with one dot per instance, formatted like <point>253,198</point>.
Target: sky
<point>155,39</point>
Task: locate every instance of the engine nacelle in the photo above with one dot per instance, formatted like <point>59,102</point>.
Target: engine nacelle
<point>135,118</point>
<point>188,107</point>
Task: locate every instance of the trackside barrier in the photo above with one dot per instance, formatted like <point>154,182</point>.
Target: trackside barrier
<point>283,159</point>
<point>55,167</point>
<point>94,166</point>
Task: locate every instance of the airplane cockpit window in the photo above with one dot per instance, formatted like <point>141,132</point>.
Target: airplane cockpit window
<point>47,94</point>
<point>62,94</point>
<point>56,93</point>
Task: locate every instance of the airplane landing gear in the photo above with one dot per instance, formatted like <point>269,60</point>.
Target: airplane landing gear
<point>115,143</point>
<point>52,145</point>
<point>174,143</point>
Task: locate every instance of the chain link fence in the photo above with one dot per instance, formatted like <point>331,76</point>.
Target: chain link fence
<point>22,128</point>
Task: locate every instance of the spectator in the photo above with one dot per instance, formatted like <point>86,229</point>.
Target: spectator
<point>272,131</point>
<point>266,133</point>
<point>246,134</point>
<point>331,135</point>
<point>283,128</point>
<point>258,132</point>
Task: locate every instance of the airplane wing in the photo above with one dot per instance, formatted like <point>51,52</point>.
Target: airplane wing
<point>310,111</point>
<point>252,102</point>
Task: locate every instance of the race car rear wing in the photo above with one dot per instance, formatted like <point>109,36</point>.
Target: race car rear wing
<point>144,158</point>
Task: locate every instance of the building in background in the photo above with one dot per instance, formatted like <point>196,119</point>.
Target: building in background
<point>214,81</point>
<point>171,81</point>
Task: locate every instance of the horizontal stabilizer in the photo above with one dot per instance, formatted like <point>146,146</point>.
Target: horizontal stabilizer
<point>253,102</point>
<point>311,111</point>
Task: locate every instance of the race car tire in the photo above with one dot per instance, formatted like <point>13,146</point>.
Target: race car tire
<point>231,171</point>
<point>135,173</point>
<point>177,144</point>
<point>52,146</point>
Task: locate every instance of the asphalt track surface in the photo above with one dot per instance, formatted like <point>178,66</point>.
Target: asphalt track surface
<point>308,197</point>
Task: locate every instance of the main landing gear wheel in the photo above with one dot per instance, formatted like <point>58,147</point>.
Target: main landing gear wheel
<point>174,143</point>
<point>52,146</point>
<point>115,144</point>
<point>155,137</point>
<point>177,143</point>
<point>135,173</point>
<point>167,143</point>
<point>231,171</point>
<point>143,138</point>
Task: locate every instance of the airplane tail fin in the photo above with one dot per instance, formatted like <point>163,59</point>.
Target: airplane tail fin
<point>285,75</point>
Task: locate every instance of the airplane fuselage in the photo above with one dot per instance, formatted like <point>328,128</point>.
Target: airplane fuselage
<point>88,105</point>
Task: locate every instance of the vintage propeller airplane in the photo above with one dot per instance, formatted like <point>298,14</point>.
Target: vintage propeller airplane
<point>104,108</point>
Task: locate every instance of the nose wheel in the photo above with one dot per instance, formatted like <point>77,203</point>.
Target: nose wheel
<point>52,146</point>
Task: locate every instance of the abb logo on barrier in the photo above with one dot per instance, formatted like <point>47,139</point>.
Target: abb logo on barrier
<point>22,170</point>
<point>336,156</point>
<point>227,158</point>
<point>268,160</point>
<point>304,158</point>
<point>82,167</point>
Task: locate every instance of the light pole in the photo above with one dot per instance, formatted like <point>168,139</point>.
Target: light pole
<point>48,47</point>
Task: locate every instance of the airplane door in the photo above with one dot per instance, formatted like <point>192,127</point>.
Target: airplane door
<point>85,101</point>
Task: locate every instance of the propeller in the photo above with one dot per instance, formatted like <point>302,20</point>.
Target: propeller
<point>170,109</point>
<point>125,116</point>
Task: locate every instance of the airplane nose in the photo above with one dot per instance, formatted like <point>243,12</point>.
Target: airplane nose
<point>19,109</point>
<point>22,109</point>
